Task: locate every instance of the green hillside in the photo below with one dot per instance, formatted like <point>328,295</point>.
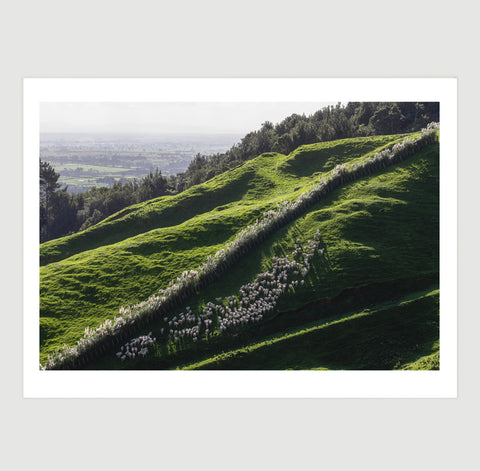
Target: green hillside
<point>380,235</point>
<point>385,338</point>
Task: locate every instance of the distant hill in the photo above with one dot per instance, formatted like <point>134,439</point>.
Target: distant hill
<point>375,284</point>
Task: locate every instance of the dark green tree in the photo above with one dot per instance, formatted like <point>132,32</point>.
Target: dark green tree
<point>387,119</point>
<point>62,214</point>
<point>152,186</point>
<point>48,186</point>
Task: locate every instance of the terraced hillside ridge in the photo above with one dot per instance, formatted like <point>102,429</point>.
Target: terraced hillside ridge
<point>374,220</point>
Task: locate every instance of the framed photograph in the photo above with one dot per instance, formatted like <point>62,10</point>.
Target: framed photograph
<point>240,237</point>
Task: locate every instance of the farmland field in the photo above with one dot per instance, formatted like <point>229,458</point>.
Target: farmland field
<point>86,160</point>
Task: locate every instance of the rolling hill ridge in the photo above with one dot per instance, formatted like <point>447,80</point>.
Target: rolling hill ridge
<point>378,230</point>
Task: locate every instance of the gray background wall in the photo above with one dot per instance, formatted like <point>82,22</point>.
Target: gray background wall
<point>249,38</point>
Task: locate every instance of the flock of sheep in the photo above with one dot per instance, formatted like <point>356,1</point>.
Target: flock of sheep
<point>253,302</point>
<point>137,347</point>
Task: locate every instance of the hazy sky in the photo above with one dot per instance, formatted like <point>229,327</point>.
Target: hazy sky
<point>166,117</point>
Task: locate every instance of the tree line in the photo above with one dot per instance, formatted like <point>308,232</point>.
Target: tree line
<point>62,213</point>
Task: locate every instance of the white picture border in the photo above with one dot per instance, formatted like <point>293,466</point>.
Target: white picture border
<point>244,384</point>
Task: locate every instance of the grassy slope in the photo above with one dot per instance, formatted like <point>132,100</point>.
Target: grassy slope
<point>256,181</point>
<point>86,288</point>
<point>386,338</point>
<point>364,265</point>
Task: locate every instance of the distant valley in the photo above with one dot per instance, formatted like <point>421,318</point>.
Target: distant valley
<point>86,160</point>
